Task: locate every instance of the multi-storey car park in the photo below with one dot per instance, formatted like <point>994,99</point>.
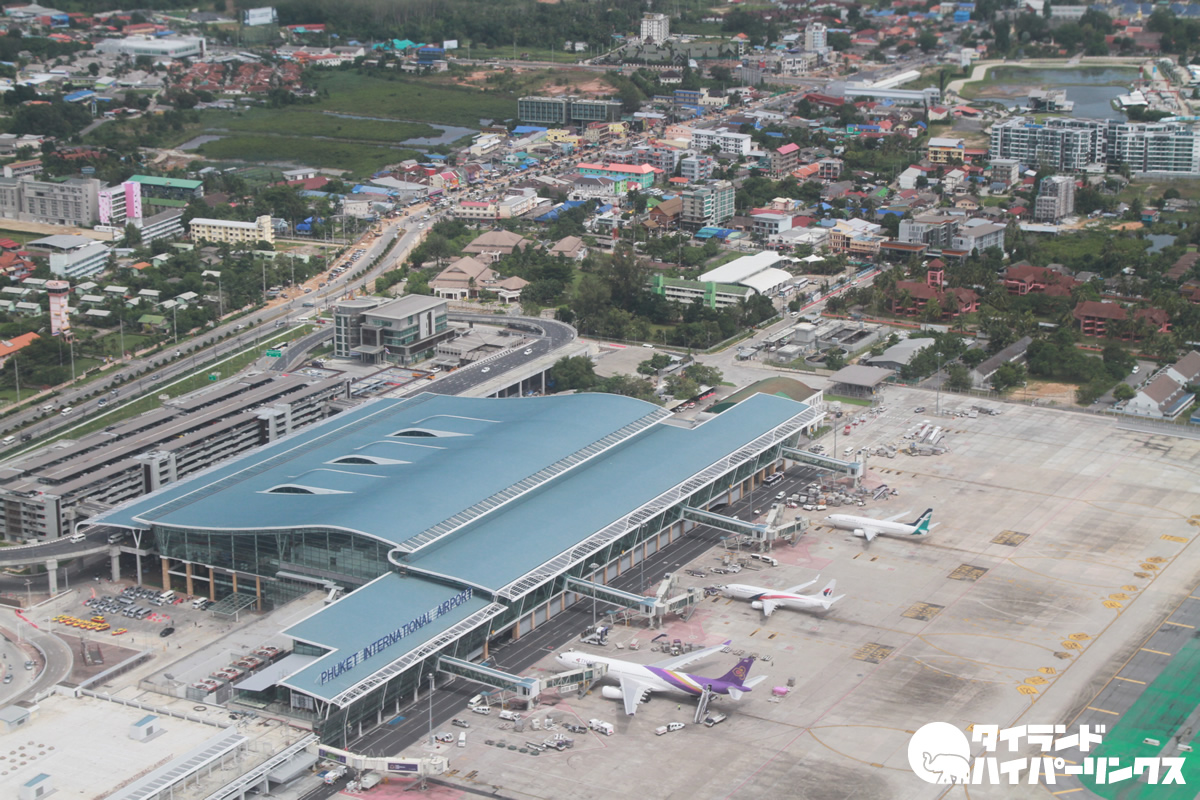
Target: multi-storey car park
<point>452,522</point>
<point>43,494</point>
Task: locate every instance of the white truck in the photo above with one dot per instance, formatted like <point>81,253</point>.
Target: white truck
<point>714,719</point>
<point>668,728</point>
<point>599,726</point>
<point>332,775</point>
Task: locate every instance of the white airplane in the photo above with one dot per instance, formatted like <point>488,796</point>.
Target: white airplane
<point>869,528</point>
<point>639,680</point>
<point>770,599</point>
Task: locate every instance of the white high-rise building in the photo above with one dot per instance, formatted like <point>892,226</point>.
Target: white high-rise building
<point>1056,199</point>
<point>656,28</point>
<point>816,37</point>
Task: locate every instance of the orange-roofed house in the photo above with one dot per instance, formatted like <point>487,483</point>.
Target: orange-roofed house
<point>14,345</point>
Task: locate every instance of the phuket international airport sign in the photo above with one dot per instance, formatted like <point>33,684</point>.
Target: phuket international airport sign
<point>384,642</point>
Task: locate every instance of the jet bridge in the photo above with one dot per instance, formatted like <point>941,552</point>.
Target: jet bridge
<point>610,595</point>
<point>488,676</point>
<point>852,468</point>
<point>724,523</point>
<point>579,680</point>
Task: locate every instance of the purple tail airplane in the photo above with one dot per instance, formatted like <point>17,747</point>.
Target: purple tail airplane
<point>639,680</point>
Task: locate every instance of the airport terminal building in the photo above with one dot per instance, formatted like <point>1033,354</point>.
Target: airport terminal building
<point>449,522</point>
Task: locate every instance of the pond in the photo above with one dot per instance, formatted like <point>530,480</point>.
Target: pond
<point>1158,241</point>
<point>1092,89</point>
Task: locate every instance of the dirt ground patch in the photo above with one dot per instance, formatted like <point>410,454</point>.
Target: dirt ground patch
<point>594,86</point>
<point>1127,226</point>
<point>1047,393</point>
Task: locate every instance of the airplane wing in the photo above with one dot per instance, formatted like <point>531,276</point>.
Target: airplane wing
<point>870,533</point>
<point>769,606</point>
<point>633,692</point>
<point>796,589</point>
<point>895,517</point>
<point>683,660</point>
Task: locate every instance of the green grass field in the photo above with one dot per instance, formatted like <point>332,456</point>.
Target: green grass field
<point>417,99</point>
<point>312,121</point>
<point>360,159</point>
<point>110,343</point>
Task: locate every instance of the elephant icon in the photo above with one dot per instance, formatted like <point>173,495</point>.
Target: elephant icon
<point>948,767</point>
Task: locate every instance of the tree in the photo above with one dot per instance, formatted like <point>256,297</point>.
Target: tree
<point>927,41</point>
<point>93,69</point>
<point>1123,392</point>
<point>133,235</point>
<point>578,373</point>
<point>708,376</point>
<point>974,357</point>
<point>958,378</point>
<point>1008,375</point>
<point>681,387</point>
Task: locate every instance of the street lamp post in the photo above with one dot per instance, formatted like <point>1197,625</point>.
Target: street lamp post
<point>175,323</point>
<point>939,384</point>
<point>431,740</point>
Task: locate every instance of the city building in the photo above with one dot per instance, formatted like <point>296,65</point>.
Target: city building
<point>710,294</point>
<point>707,205</point>
<point>402,331</point>
<point>59,294</point>
<point>642,175</point>
<point>726,141</point>
<point>830,169</point>
<point>977,235</point>
<point>119,204</point>
<point>1055,200</point>
<point>656,28</point>
<point>159,194</point>
<point>816,37</point>
<point>1171,148</point>
<point>1107,319</point>
<point>913,297</point>
<point>567,110</point>
<point>784,160</point>
<point>163,225</point>
<point>72,257</point>
<point>856,237</point>
<point>232,231</point>
<point>943,150</point>
<point>697,168</point>
<point>43,494</point>
<point>465,278</point>
<point>1162,398</point>
<point>759,272</point>
<point>933,229</point>
<point>433,509</point>
<point>72,202</point>
<point>1070,145</point>
<point>156,47</point>
<point>1025,278</point>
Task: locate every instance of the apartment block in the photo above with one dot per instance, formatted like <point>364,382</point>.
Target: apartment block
<point>72,202</point>
<point>567,110</point>
<point>232,231</point>
<point>935,230</point>
<point>726,141</point>
<point>656,28</point>
<point>710,204</point>
<point>1056,199</point>
<point>403,331</point>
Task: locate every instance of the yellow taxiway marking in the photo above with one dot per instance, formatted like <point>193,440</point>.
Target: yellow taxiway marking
<point>1067,791</point>
<point>1128,680</point>
<point>1103,711</point>
<point>1178,624</point>
<point>1156,652</point>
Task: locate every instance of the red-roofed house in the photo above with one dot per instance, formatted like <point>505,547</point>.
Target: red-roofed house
<point>1110,319</point>
<point>1026,278</point>
<point>911,297</point>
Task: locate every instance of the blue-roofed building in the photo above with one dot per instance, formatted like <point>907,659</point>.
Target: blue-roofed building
<point>434,513</point>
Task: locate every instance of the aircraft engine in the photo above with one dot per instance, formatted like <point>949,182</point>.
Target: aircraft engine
<point>611,692</point>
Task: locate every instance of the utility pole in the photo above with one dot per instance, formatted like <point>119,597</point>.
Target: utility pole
<point>71,347</point>
<point>122,321</point>
<point>175,323</point>
<point>17,372</point>
<point>593,568</point>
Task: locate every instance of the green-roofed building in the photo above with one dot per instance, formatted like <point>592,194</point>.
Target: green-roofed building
<point>713,295</point>
<point>451,523</point>
<point>159,194</point>
<point>789,388</point>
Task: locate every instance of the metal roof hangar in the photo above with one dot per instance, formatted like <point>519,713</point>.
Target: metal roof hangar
<point>455,520</point>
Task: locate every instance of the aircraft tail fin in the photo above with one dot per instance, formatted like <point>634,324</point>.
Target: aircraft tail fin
<point>740,671</point>
<point>827,596</point>
<point>922,523</point>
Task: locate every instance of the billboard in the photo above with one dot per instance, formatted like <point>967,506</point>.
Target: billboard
<point>259,16</point>
<point>450,44</point>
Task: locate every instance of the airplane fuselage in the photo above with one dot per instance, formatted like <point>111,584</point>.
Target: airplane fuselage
<point>850,523</point>
<point>757,594</point>
<point>657,678</point>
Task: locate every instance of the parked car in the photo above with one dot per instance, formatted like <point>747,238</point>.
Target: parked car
<point>165,632</point>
